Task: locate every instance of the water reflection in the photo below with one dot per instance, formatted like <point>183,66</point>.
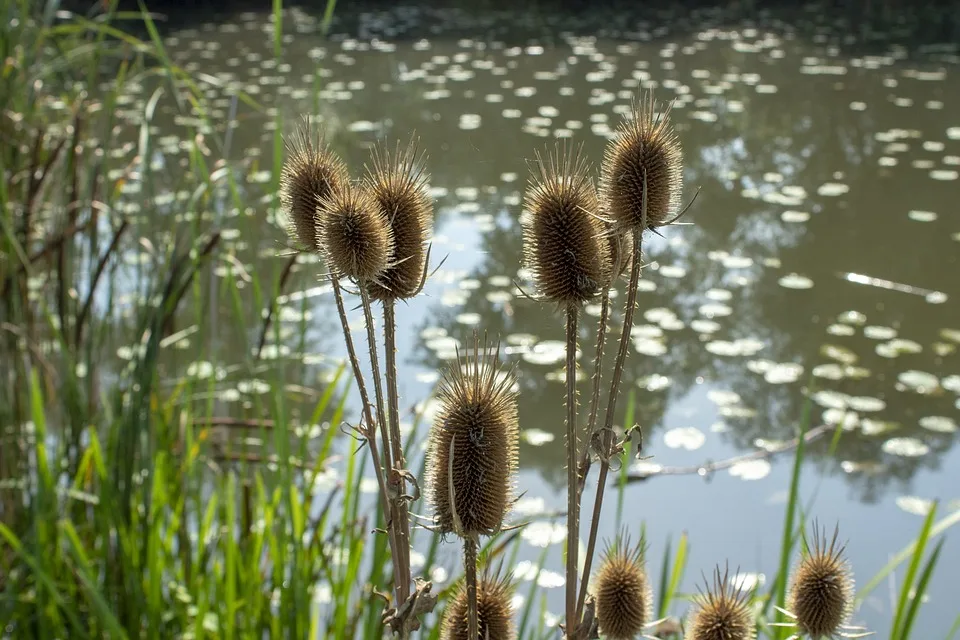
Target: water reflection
<point>810,153</point>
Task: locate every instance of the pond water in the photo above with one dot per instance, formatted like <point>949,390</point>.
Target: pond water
<point>819,261</point>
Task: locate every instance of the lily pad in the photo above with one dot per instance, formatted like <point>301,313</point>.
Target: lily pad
<point>905,447</point>
<point>940,424</point>
<point>689,438</point>
<point>751,469</point>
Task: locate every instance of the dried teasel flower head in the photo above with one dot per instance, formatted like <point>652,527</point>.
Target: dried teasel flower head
<point>310,173</point>
<point>563,241</point>
<point>622,592</point>
<point>472,449</point>
<point>494,610</point>
<point>822,590</point>
<point>353,234</point>
<point>643,164</point>
<point>398,183</point>
<point>722,612</point>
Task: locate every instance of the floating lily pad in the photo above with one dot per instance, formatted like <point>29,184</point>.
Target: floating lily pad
<point>689,438</point>
<point>783,373</point>
<point>547,352</point>
<point>838,329</point>
<point>838,353</point>
<point>919,381</point>
<point>751,469</point>
<point>879,333</point>
<point>832,189</point>
<point>536,437</point>
<point>795,281</point>
<point>543,534</point>
<point>722,397</point>
<point>866,404</point>
<point>940,424</point>
<point>915,505</point>
<point>905,447</point>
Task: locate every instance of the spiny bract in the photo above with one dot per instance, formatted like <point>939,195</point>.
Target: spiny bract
<point>354,236</point>
<point>563,237</point>
<point>722,613</point>
<point>620,251</point>
<point>645,150</point>
<point>821,591</point>
<point>309,174</point>
<point>494,611</point>
<point>621,591</point>
<point>472,453</point>
<point>398,183</point>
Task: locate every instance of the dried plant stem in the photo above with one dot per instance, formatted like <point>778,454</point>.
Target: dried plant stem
<point>595,394</point>
<point>470,569</point>
<point>607,433</point>
<point>370,432</point>
<point>377,380</point>
<point>399,526</point>
<point>573,502</point>
<point>390,347</point>
<point>591,425</point>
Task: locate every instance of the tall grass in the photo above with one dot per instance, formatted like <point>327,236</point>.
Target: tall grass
<point>123,515</point>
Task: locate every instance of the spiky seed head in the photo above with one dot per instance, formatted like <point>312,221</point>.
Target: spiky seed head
<point>494,611</point>
<point>722,612</point>
<point>622,592</point>
<point>398,183</point>
<point>353,234</point>
<point>310,173</point>
<point>563,241</point>
<point>821,591</point>
<point>645,145</point>
<point>472,450</point>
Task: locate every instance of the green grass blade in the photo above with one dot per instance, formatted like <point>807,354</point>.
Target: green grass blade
<point>42,576</point>
<point>664,579</point>
<point>676,572</point>
<point>786,545</point>
<point>907,586</point>
<point>954,629</point>
<point>903,555</point>
<point>921,589</point>
<point>84,571</point>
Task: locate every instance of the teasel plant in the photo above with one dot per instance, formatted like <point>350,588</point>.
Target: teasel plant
<point>821,594</point>
<point>352,226</point>
<point>721,611</point>
<point>640,187</point>
<point>470,471</point>
<point>397,182</point>
<point>578,241</point>
<point>494,610</point>
<point>623,597</point>
<point>569,258</point>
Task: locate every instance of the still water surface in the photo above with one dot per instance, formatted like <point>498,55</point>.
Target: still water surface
<point>819,261</point>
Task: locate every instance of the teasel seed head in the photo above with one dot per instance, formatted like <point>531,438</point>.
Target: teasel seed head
<point>722,612</point>
<point>563,241</point>
<point>472,450</point>
<point>398,183</point>
<point>309,174</point>
<point>622,592</point>
<point>822,589</point>
<point>353,233</point>
<point>494,610</point>
<point>645,148</point>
